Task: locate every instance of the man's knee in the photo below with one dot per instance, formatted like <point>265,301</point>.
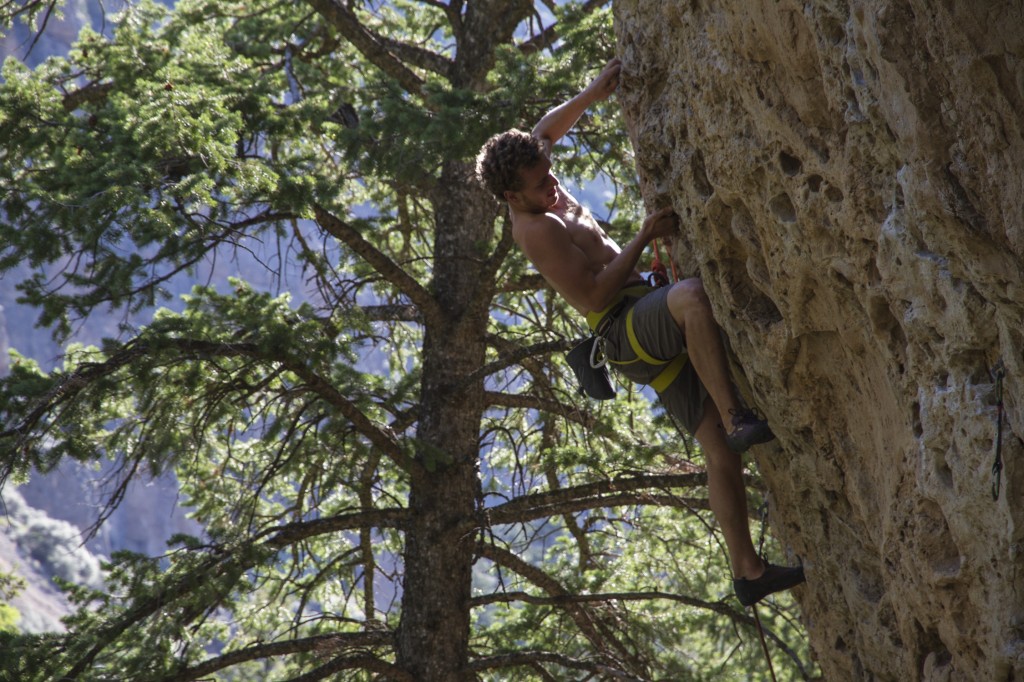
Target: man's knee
<point>687,295</point>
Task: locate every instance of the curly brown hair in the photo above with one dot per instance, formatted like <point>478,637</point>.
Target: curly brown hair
<point>501,158</point>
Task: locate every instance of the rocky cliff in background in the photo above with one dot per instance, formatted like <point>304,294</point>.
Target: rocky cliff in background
<point>44,523</point>
<point>851,178</point>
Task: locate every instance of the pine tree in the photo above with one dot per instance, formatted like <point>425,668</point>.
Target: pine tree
<point>395,474</point>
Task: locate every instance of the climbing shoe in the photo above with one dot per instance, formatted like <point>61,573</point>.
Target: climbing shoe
<point>747,429</point>
<point>774,579</point>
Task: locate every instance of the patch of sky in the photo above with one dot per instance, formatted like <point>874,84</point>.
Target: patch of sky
<point>26,43</point>
<point>539,19</point>
<point>597,194</point>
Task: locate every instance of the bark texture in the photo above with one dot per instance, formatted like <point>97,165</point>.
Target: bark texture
<point>851,181</point>
<point>433,638</point>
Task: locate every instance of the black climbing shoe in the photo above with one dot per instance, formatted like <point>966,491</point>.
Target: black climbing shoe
<point>774,579</point>
<point>747,429</point>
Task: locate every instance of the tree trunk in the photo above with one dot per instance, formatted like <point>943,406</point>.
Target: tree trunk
<point>433,639</point>
<point>849,176</point>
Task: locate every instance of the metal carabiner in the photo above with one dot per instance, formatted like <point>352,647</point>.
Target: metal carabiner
<point>598,359</point>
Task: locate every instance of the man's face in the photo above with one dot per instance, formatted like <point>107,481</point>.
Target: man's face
<point>539,190</point>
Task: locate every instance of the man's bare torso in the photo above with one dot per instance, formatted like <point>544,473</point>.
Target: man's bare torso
<point>583,230</point>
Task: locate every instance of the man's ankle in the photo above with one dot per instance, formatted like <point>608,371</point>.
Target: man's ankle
<point>752,570</point>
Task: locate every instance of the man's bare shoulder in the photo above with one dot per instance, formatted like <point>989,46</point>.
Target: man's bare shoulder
<point>530,226</point>
<point>557,217</point>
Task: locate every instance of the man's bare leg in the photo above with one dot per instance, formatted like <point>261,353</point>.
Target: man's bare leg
<point>753,578</point>
<point>727,494</point>
<point>691,310</point>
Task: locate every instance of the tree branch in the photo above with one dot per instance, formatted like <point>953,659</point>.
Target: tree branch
<point>532,402</point>
<point>380,262</point>
<point>153,603</point>
<point>561,600</point>
<point>486,23</point>
<point>720,607</point>
<point>363,661</point>
<point>30,9</point>
<point>525,658</point>
<point>78,380</point>
<point>549,36</point>
<point>488,273</point>
<point>531,361</point>
<point>517,354</point>
<point>531,282</point>
<point>368,43</point>
<point>621,499</point>
<point>290,533</point>
<point>379,435</point>
<point>413,54</point>
<point>91,92</point>
<point>392,313</point>
<point>632,490</point>
<point>549,398</point>
<point>220,563</point>
<point>588,623</point>
<point>318,643</point>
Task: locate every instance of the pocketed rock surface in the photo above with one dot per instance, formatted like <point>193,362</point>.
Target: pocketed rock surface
<point>850,177</point>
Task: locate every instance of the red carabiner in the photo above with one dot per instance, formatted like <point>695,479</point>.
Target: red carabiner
<point>659,274</point>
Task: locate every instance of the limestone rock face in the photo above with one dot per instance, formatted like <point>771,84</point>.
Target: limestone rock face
<point>850,177</point>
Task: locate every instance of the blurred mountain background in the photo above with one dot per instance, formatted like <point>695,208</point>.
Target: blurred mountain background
<point>46,526</point>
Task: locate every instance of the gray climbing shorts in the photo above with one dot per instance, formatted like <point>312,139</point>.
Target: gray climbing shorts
<point>658,335</point>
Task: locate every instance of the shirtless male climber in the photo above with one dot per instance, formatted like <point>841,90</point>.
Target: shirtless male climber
<point>570,250</point>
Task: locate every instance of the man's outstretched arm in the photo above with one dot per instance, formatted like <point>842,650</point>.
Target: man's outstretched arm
<point>557,122</point>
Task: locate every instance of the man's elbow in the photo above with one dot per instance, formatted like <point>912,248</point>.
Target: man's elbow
<point>544,136</point>
<point>596,301</point>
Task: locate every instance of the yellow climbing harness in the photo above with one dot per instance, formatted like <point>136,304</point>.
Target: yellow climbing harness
<point>673,366</point>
